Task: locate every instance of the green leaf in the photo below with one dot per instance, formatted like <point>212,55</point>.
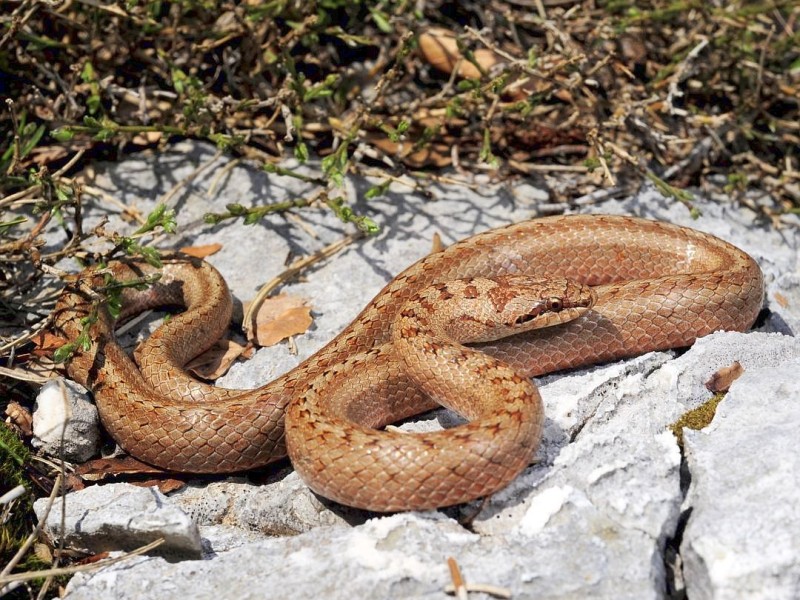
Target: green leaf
<point>5,225</point>
<point>378,190</point>
<point>235,209</point>
<point>87,73</point>
<point>591,163</point>
<point>151,255</point>
<point>114,304</point>
<point>161,216</point>
<point>64,352</point>
<point>252,218</point>
<point>104,134</point>
<point>301,152</point>
<point>178,80</point>
<point>62,134</point>
<point>466,85</point>
<point>486,154</point>
<point>367,225</point>
<point>33,140</point>
<point>532,58</point>
<point>381,20</point>
<point>64,193</point>
<point>334,165</point>
<point>94,103</point>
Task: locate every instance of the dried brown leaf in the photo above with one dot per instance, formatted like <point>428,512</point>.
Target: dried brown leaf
<point>433,155</point>
<point>45,343</point>
<point>147,138</point>
<point>21,417</point>
<point>721,380</point>
<point>215,362</point>
<point>201,251</point>
<point>439,48</point>
<point>43,553</point>
<point>44,155</point>
<point>73,483</point>
<point>90,560</point>
<point>165,486</point>
<point>437,245</point>
<point>278,318</point>
<point>99,469</point>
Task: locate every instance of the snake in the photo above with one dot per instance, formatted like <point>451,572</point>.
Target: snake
<point>466,327</point>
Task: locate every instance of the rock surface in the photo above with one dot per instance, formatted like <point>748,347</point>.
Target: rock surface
<point>603,513</point>
<point>119,516</point>
<point>742,465</point>
<point>64,414</point>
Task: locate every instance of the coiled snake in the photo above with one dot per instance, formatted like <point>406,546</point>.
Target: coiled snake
<point>611,287</point>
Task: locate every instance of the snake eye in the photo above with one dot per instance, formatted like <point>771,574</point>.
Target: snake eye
<point>555,304</point>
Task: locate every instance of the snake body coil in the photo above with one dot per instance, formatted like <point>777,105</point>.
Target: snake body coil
<point>653,286</point>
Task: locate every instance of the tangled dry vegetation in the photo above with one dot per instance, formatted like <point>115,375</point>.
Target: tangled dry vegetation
<point>590,98</point>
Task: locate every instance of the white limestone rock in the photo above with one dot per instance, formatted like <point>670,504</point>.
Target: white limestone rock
<point>743,534</point>
<point>120,516</point>
<point>596,517</point>
<point>278,508</point>
<point>400,556</point>
<point>63,412</point>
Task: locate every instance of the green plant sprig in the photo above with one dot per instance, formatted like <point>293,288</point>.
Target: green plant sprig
<point>254,214</point>
<point>108,297</point>
<point>346,214</point>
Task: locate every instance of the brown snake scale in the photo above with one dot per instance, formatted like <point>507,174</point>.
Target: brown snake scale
<point>632,286</point>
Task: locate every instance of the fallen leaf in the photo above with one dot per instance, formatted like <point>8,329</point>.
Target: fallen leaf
<point>46,154</point>
<point>73,483</point>
<point>433,154</point>
<point>46,342</point>
<point>201,251</point>
<point>21,417</point>
<point>165,486</point>
<point>101,468</point>
<point>90,560</point>
<point>439,48</point>
<point>437,245</point>
<point>147,138</point>
<point>721,380</point>
<point>215,362</point>
<point>43,553</point>
<point>781,299</point>
<point>278,318</point>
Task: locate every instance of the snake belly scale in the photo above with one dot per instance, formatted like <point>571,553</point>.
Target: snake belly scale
<point>652,286</point>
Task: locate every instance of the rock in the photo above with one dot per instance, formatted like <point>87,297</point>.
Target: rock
<point>601,513</point>
<point>785,295</point>
<point>284,507</point>
<point>593,519</point>
<point>63,412</point>
<point>120,516</point>
<point>393,557</point>
<point>743,533</point>
<point>218,539</point>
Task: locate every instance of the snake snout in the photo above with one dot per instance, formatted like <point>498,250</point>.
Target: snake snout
<point>525,303</point>
<point>575,300</point>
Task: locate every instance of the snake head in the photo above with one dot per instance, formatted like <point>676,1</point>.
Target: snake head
<point>518,303</point>
<point>483,309</point>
